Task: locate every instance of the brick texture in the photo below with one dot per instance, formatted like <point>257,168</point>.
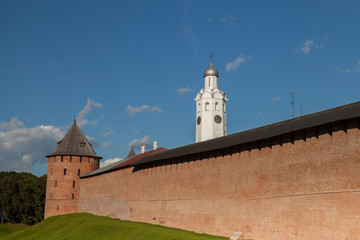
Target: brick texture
<point>302,185</point>
<point>60,188</point>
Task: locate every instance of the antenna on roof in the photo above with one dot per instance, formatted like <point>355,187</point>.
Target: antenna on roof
<point>74,118</point>
<point>292,102</point>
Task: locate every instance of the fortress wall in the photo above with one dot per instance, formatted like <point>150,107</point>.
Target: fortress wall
<point>303,185</point>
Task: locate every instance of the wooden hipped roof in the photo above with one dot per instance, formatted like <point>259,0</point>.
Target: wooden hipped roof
<point>74,143</point>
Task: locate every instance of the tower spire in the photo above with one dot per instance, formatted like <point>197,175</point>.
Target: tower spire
<point>211,57</point>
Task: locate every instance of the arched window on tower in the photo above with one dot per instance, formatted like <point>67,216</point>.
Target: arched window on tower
<point>217,106</point>
<point>207,106</point>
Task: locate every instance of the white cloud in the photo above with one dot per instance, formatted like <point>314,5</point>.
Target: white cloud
<point>95,143</point>
<point>109,161</point>
<point>308,45</point>
<point>107,132</point>
<point>228,18</point>
<point>139,141</point>
<point>351,69</point>
<point>144,108</point>
<point>13,124</point>
<point>21,148</point>
<point>276,99</point>
<point>182,91</point>
<point>85,111</point>
<point>232,66</point>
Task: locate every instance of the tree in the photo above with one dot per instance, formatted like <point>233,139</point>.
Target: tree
<point>22,197</point>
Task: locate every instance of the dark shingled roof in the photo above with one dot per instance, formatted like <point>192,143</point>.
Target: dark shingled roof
<point>74,143</point>
<point>316,119</point>
<point>132,153</point>
<point>123,163</point>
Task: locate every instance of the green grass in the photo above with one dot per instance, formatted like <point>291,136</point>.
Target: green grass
<point>83,226</point>
<point>8,228</point>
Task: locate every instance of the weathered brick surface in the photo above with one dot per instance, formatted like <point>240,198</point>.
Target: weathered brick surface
<point>59,188</point>
<point>304,185</point>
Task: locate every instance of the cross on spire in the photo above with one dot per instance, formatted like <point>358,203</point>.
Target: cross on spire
<point>211,57</point>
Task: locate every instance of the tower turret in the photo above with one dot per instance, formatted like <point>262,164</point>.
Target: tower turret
<point>210,107</point>
<point>72,157</point>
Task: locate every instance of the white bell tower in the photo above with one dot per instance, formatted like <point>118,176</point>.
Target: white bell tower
<point>210,108</point>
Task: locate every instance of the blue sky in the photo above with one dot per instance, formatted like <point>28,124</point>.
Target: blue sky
<point>129,70</point>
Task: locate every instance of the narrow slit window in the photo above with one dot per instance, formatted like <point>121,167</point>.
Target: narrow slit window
<point>55,183</point>
<point>62,158</point>
<point>80,158</point>
<point>74,184</point>
<point>73,196</point>
<point>78,172</point>
<point>64,171</point>
<point>70,158</point>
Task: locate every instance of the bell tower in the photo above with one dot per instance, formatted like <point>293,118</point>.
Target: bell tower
<point>210,107</point>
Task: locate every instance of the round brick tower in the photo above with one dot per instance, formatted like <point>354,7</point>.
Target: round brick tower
<point>72,157</point>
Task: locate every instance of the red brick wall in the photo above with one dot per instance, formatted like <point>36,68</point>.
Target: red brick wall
<point>304,185</point>
<point>59,188</point>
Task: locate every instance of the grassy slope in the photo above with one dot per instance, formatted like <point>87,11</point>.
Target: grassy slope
<point>86,226</point>
<point>6,229</point>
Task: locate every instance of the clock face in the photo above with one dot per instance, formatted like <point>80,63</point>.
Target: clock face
<point>198,120</point>
<point>217,119</point>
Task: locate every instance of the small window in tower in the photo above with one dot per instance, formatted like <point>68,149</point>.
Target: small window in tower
<point>55,183</point>
<point>207,105</point>
<point>217,106</point>
<point>51,171</point>
<point>78,172</point>
<point>57,208</point>
<point>73,196</point>
<point>80,158</point>
<point>62,159</point>
<point>74,184</point>
<point>64,171</point>
<point>70,158</point>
